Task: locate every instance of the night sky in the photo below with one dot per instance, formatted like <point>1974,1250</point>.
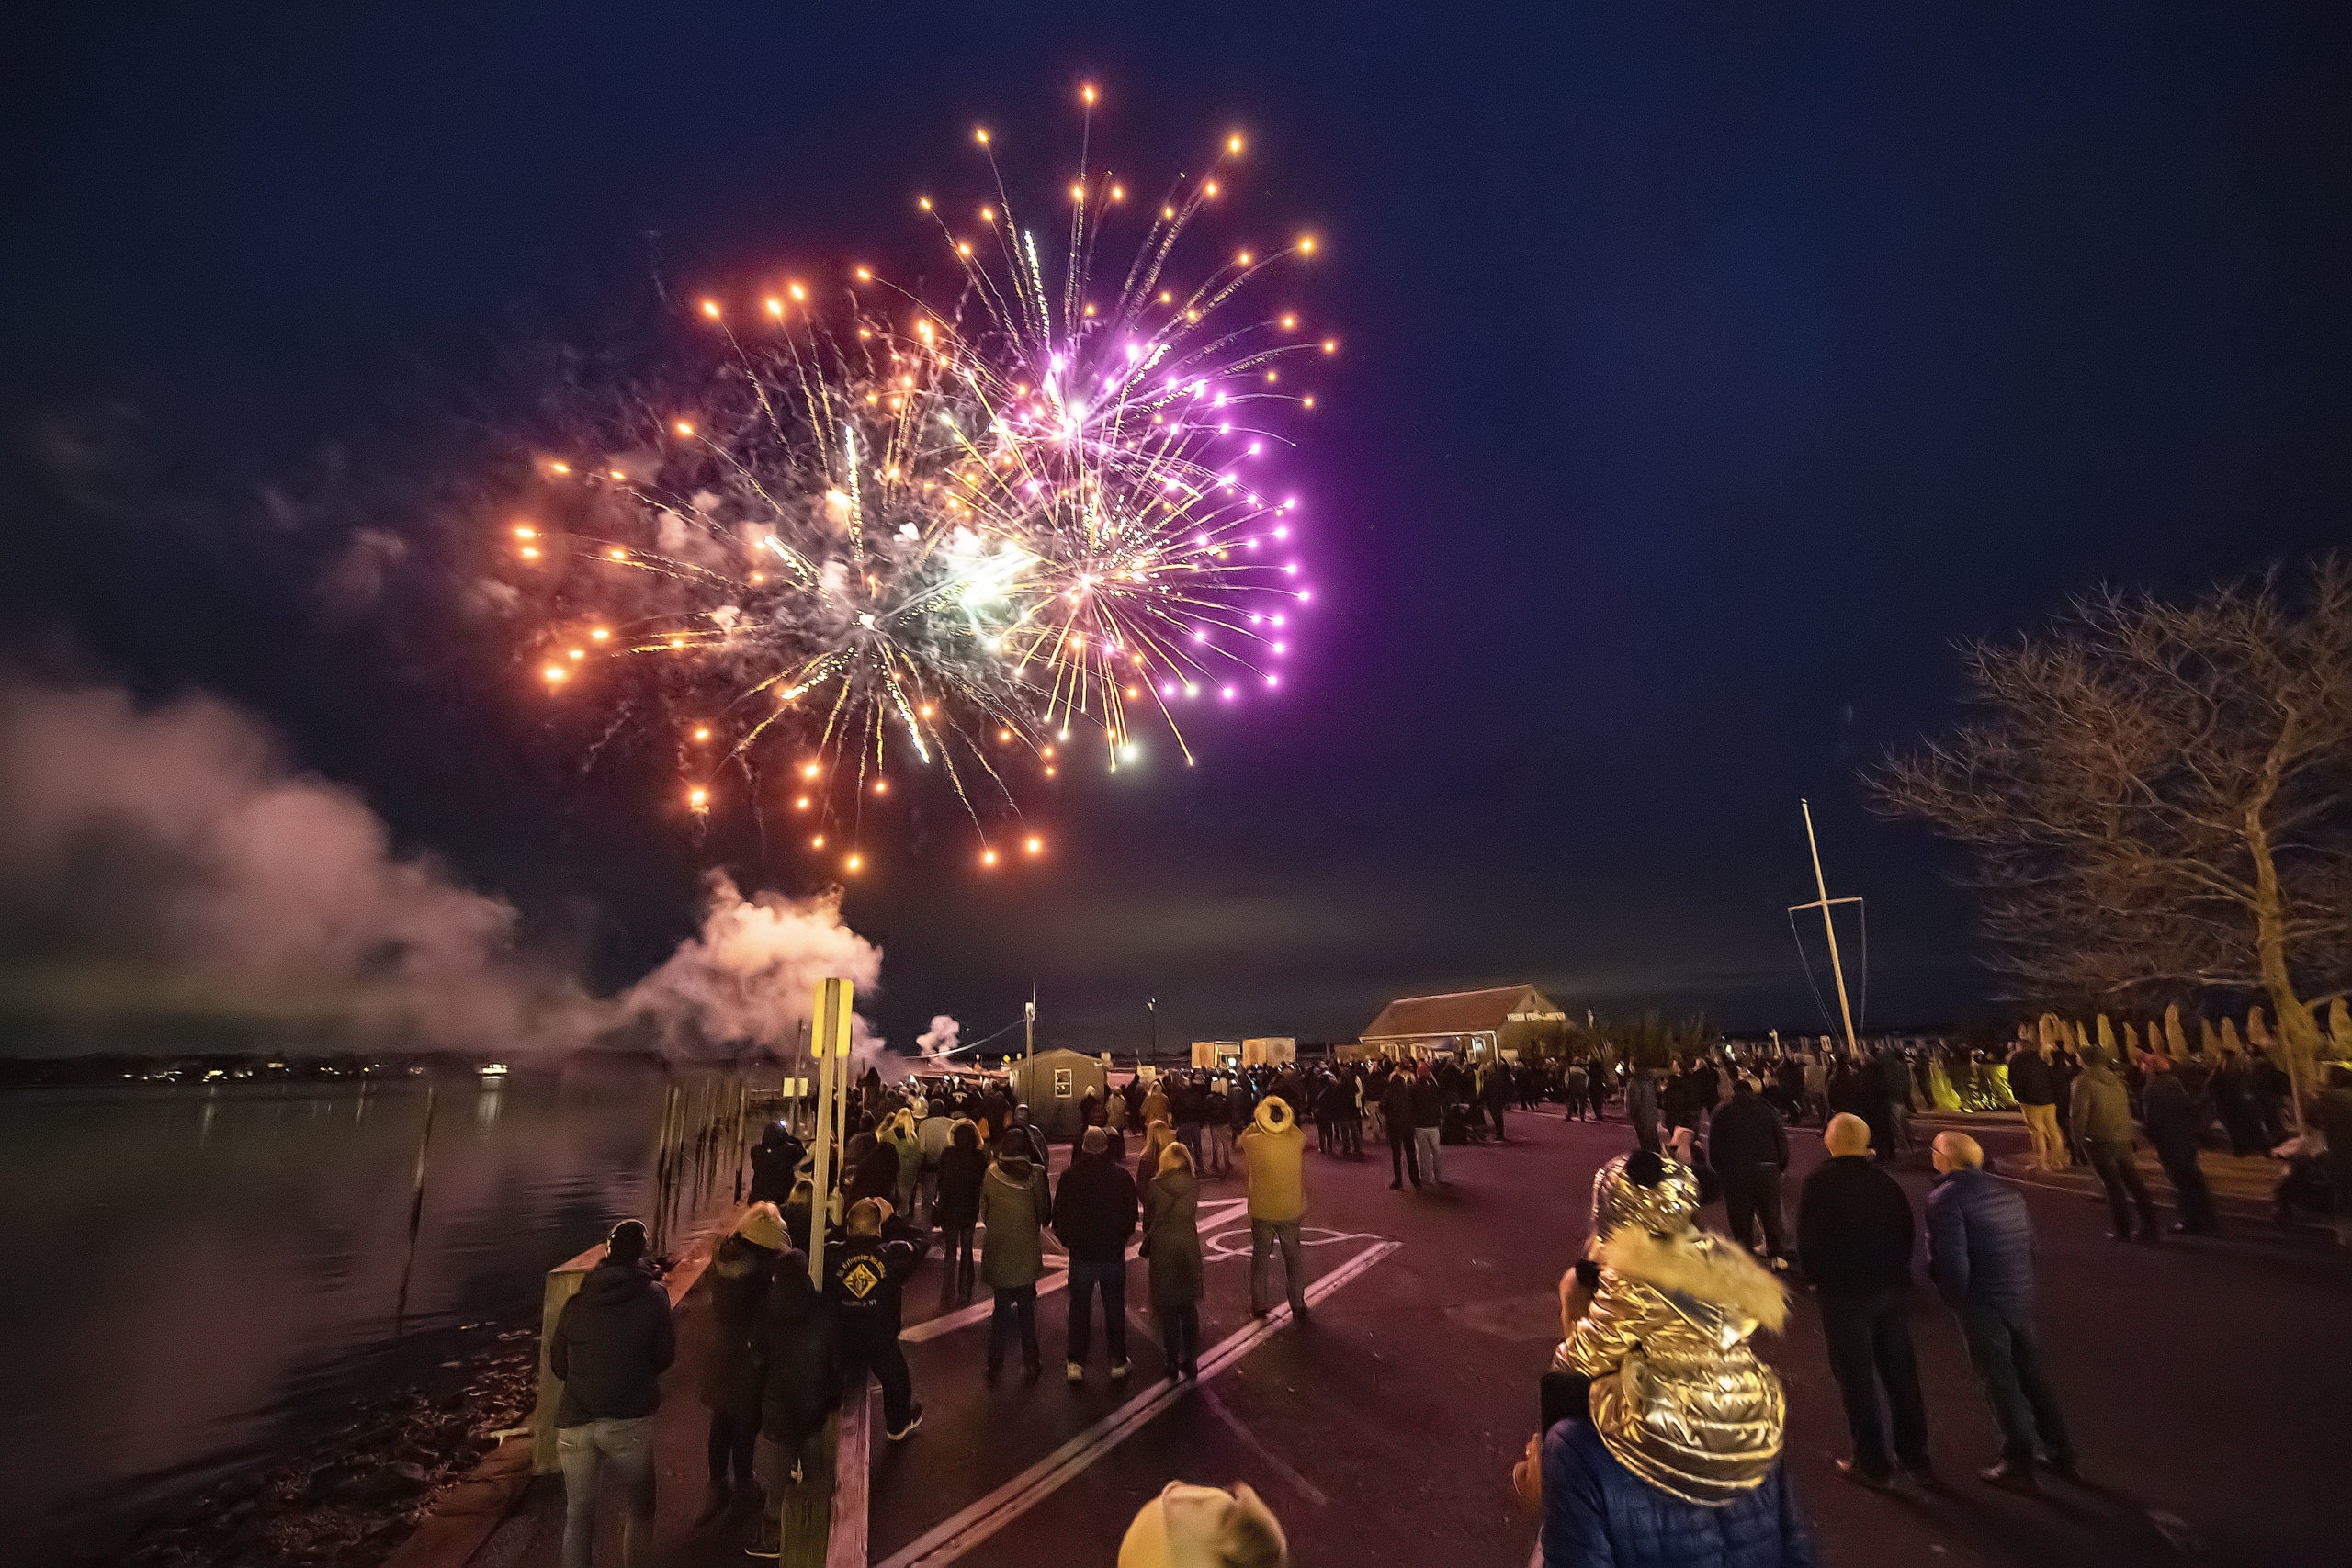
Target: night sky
<point>1708,371</point>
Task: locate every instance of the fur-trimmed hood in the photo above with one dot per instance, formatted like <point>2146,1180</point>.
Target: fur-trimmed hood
<point>1700,1265</point>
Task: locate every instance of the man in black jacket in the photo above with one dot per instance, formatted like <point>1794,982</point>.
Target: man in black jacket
<point>1749,1149</point>
<point>2172,1118</point>
<point>1854,1242</point>
<point>611,1343</point>
<point>865,1273</point>
<point>1094,1213</point>
<point>775,1164</point>
<point>1429,1107</point>
<point>1497,1088</point>
<point>1396,1115</point>
<point>2029,1085</point>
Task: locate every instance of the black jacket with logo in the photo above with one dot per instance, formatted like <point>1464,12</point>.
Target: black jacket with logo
<point>865,1275</point>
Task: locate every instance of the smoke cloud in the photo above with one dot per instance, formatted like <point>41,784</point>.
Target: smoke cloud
<point>940,1038</point>
<point>752,973</point>
<point>167,865</point>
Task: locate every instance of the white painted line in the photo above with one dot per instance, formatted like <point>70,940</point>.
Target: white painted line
<point>852,1474</point>
<point>954,1535</point>
<point>949,1322</point>
<point>1274,1461</point>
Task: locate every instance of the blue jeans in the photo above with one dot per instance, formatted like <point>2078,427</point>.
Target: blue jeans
<point>2001,1346</point>
<point>1110,1274</point>
<point>627,1446</point>
<point>1264,1237</point>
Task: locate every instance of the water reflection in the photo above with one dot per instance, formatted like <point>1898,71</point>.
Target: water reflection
<point>217,1267</point>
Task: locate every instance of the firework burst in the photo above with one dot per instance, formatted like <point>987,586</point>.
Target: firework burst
<point>978,536</point>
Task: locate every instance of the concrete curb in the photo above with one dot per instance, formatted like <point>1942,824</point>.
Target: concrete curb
<point>464,1517</point>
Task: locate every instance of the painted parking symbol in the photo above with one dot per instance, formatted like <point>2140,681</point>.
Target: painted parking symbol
<point>1234,1243</point>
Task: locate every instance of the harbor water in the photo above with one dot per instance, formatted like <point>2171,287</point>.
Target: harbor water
<point>217,1269</point>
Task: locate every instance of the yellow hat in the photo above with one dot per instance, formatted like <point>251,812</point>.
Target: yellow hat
<point>763,1226</point>
<point>1201,1527</point>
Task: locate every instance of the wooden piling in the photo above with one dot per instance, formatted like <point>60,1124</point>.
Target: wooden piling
<point>416,1213</point>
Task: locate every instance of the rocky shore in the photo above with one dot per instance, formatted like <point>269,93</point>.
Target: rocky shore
<point>350,1497</point>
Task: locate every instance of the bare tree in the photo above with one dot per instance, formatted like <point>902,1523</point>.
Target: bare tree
<point>2159,797</point>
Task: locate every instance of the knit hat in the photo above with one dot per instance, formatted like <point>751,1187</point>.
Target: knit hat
<point>763,1226</point>
<point>628,1242</point>
<point>1201,1527</point>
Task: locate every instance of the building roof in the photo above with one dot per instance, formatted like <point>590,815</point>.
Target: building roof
<point>1458,1013</point>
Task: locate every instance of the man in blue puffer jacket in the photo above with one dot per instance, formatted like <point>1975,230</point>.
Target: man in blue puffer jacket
<point>1980,1254</point>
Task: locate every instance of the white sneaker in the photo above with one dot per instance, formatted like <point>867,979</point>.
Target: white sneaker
<point>1119,1370</point>
<point>1075,1372</point>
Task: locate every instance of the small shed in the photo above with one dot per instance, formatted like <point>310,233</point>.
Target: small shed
<point>1052,1083</point>
<point>1480,1024</point>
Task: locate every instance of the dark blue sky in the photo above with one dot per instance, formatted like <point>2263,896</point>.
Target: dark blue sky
<point>1708,372</point>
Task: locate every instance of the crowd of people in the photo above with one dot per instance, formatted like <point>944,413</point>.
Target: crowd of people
<point>959,1166</point>
<point>1660,1428</point>
<point>1659,1435</point>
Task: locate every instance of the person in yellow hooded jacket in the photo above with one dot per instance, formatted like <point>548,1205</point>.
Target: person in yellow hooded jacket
<point>1273,1154</point>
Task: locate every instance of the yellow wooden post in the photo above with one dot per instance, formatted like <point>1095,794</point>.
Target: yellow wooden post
<point>564,1283</point>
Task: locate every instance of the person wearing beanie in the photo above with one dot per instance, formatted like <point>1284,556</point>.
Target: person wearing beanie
<point>1094,1212</point>
<point>1273,1154</point>
<point>865,1276</point>
<point>963,1166</point>
<point>1749,1147</point>
<point>796,1363</point>
<point>933,1127</point>
<point>775,1164</point>
<point>2101,1123</point>
<point>1029,1136</point>
<point>1675,1457</point>
<point>1205,1527</point>
<point>2172,1119</point>
<point>1171,1246</point>
<point>742,1267</point>
<point>898,1135</point>
<point>1014,1206</point>
<point>613,1340</point>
